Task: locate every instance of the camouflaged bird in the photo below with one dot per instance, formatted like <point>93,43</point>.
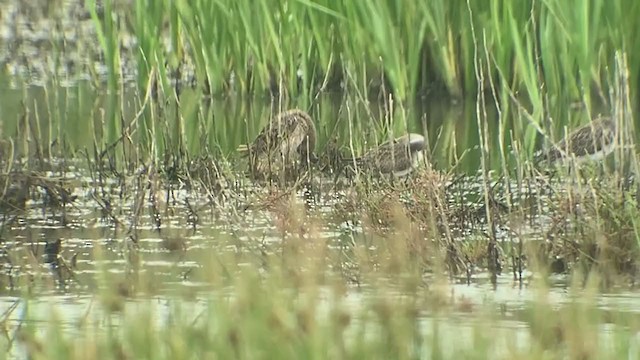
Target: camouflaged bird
<point>593,141</point>
<point>287,141</point>
<point>399,156</point>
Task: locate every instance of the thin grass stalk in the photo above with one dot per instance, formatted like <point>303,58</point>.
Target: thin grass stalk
<point>107,33</point>
<point>441,40</point>
<point>483,133</point>
<point>149,28</point>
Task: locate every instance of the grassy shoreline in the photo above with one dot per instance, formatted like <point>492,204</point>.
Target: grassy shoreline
<point>525,64</point>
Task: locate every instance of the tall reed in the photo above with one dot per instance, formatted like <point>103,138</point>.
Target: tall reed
<point>300,45</point>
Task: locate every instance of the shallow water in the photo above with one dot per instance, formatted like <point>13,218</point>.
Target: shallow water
<point>457,330</point>
<point>236,226</point>
<point>69,110</point>
<point>174,259</point>
<point>226,230</point>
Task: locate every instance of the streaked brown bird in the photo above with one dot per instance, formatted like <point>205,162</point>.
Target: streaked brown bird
<point>399,156</point>
<point>590,142</point>
<point>286,143</point>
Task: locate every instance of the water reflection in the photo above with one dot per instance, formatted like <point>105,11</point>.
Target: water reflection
<point>456,330</point>
<point>187,253</point>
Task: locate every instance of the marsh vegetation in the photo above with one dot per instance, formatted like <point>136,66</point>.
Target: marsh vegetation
<point>132,227</point>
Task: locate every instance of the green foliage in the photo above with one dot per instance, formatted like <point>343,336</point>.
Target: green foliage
<point>300,45</point>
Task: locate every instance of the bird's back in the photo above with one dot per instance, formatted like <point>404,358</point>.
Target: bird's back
<point>287,137</point>
<point>288,129</point>
<point>396,155</point>
<point>594,139</point>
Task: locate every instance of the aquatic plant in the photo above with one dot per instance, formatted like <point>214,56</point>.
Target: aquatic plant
<point>303,47</point>
<point>275,274</point>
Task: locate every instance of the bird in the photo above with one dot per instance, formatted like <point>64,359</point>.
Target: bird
<point>286,141</point>
<point>398,157</point>
<point>590,142</point>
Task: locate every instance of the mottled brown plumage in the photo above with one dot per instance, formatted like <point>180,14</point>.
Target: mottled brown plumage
<point>398,156</point>
<point>290,137</point>
<point>592,141</point>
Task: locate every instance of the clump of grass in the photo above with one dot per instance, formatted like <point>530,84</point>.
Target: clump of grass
<point>429,205</point>
<point>305,47</point>
<point>594,226</point>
